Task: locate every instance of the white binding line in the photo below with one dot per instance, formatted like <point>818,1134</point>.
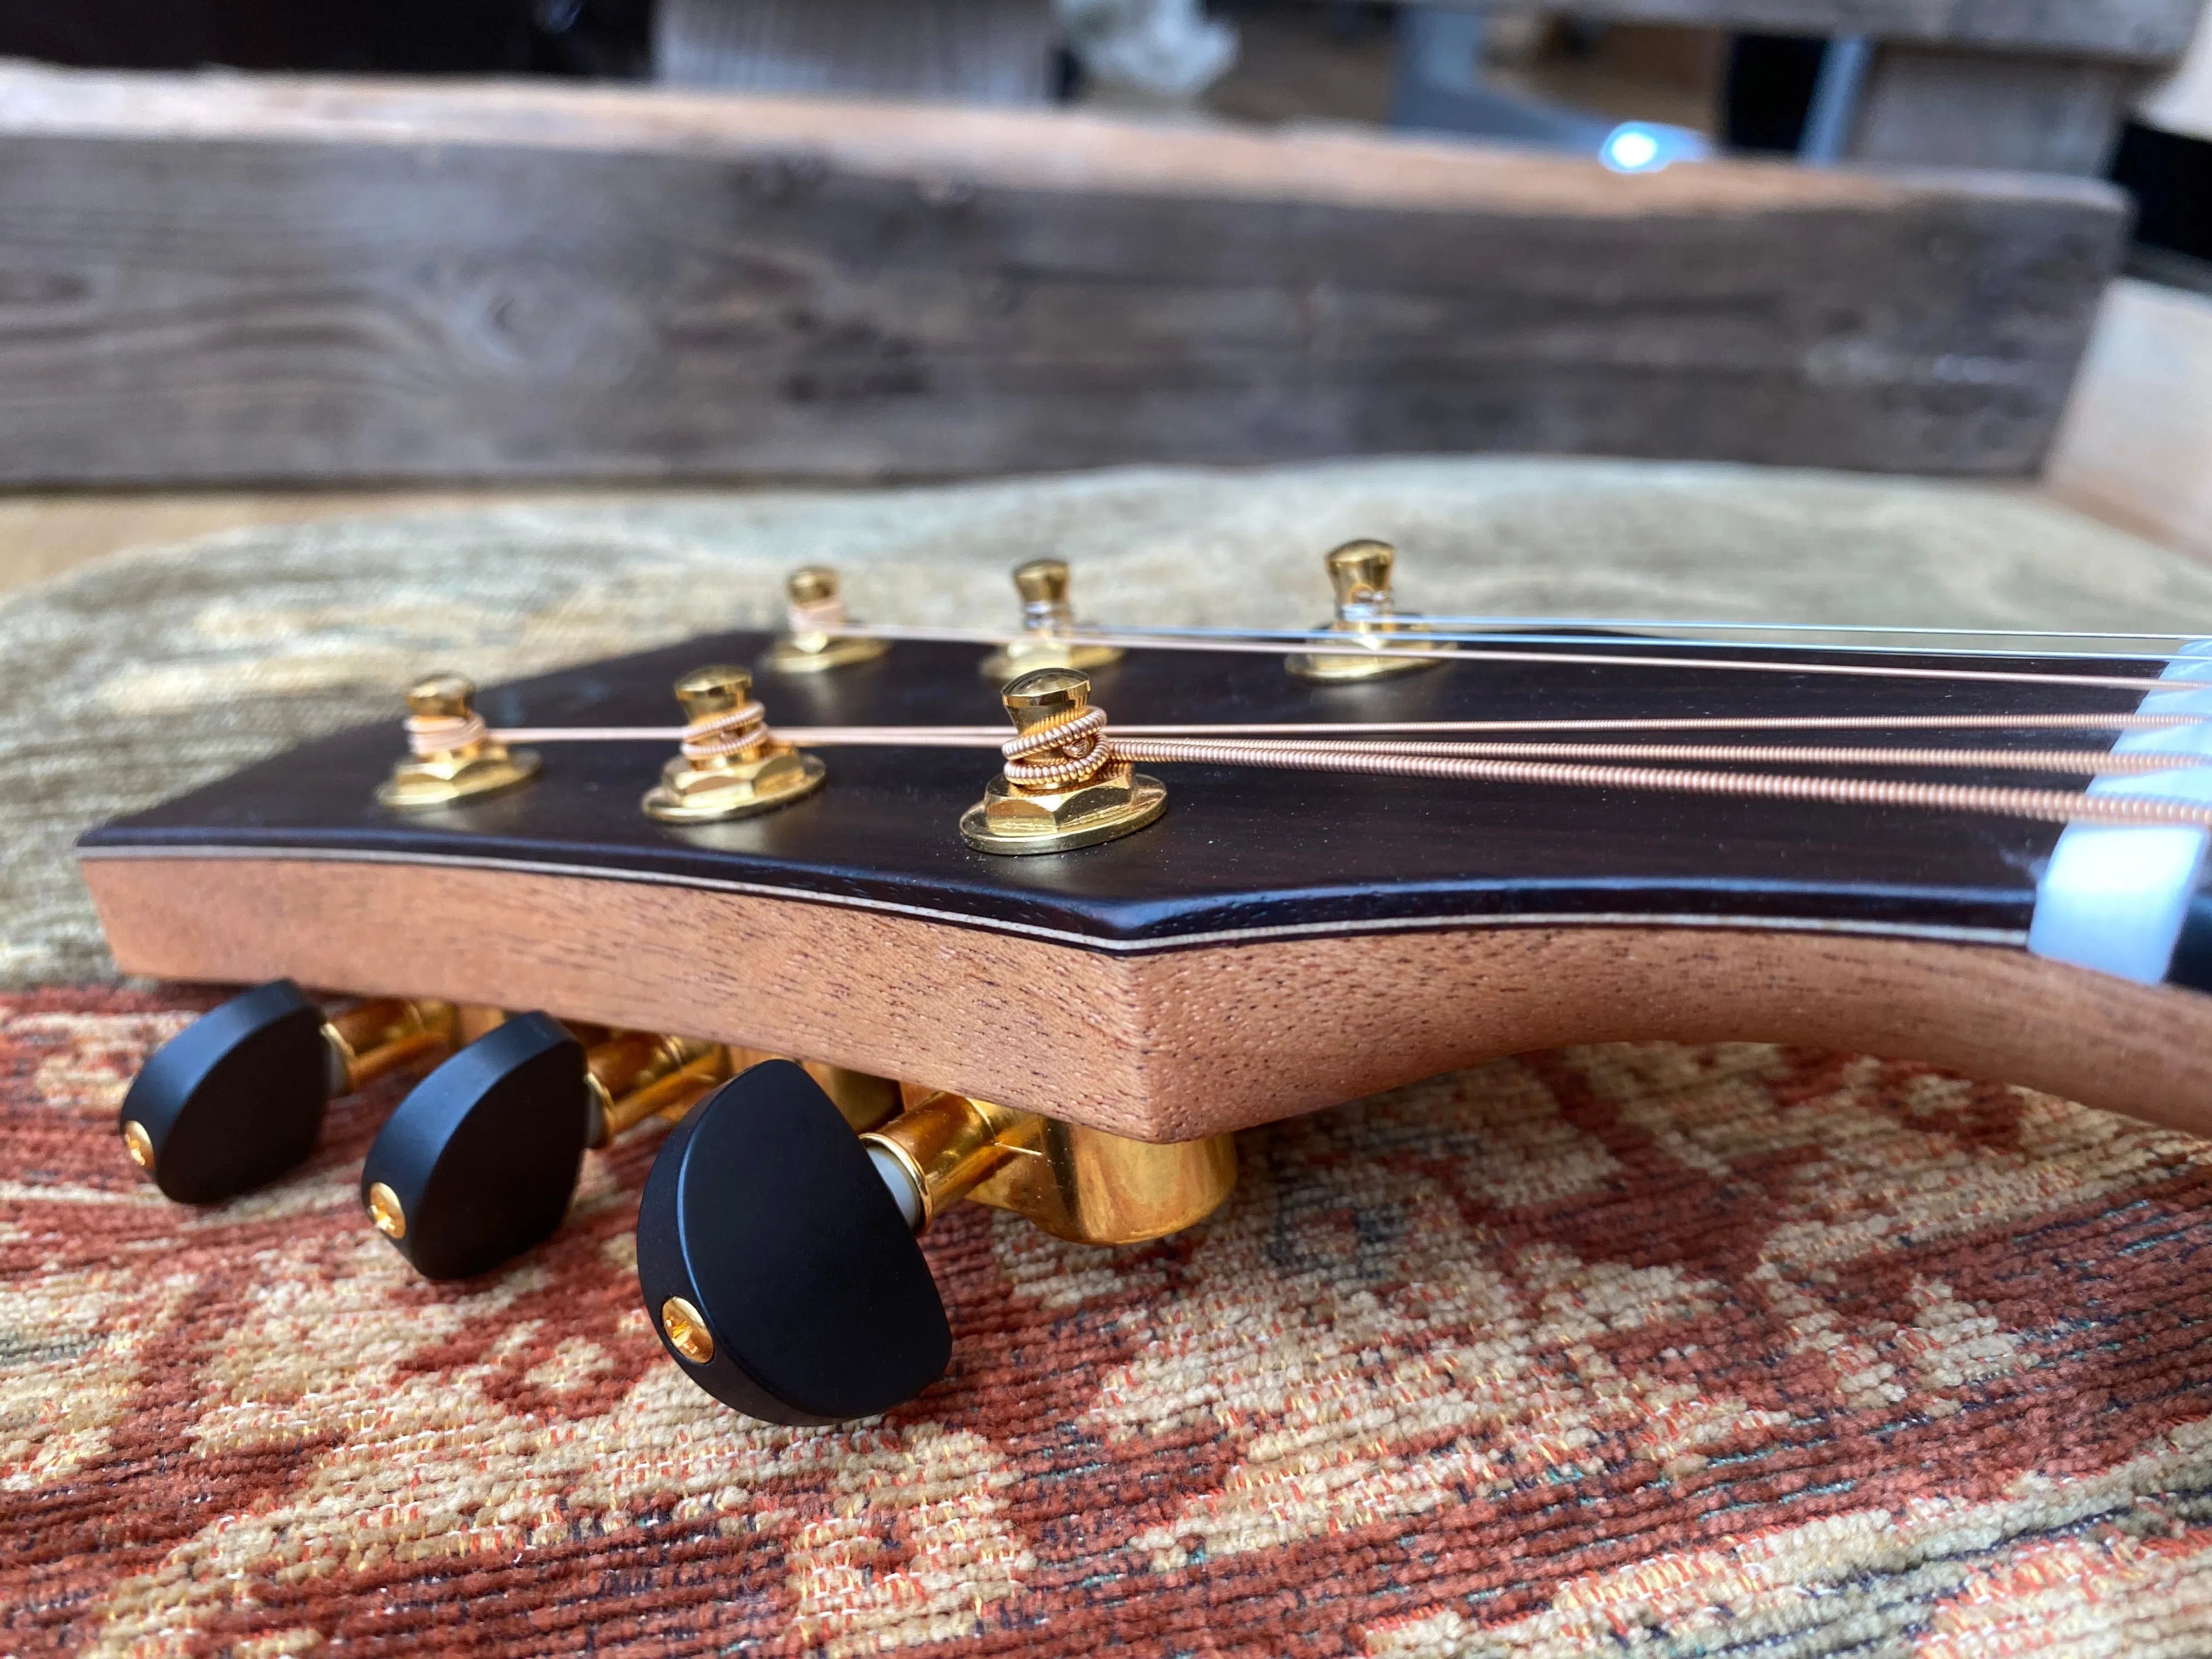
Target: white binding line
<point>2114,898</point>
<point>2011,936</point>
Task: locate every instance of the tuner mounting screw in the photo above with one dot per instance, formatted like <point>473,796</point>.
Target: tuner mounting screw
<point>384,1209</point>
<point>1046,620</point>
<point>1359,572</point>
<point>1085,795</point>
<point>731,765</point>
<point>815,604</point>
<point>455,755</point>
<point>687,1330</point>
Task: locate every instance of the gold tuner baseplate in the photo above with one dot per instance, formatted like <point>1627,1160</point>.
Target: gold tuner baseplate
<point>1359,572</point>
<point>814,604</point>
<point>454,756</point>
<point>1075,1182</point>
<point>731,765</point>
<point>1062,787</point>
<point>1047,618</point>
<point>635,1075</point>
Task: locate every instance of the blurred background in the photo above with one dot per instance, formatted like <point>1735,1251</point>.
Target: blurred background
<point>584,243</point>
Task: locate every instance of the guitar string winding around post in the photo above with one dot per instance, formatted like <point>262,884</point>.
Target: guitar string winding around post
<point>1079,738</point>
<point>432,735</point>
<point>732,731</point>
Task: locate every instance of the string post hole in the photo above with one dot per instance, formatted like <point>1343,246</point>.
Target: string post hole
<point>451,756</point>
<point>1048,618</point>
<point>1062,787</point>
<point>1367,614</point>
<point>814,603</point>
<point>730,764</point>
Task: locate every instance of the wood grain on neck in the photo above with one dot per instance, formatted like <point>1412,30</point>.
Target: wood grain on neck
<point>1164,1047</point>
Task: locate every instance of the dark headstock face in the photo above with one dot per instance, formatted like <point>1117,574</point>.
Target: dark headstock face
<point>1237,850</point>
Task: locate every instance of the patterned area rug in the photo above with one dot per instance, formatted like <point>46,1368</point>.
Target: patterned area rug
<point>1633,1350</point>
<point>1643,1350</point>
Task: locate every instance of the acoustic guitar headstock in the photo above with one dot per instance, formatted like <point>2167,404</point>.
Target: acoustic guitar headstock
<point>1095,898</point>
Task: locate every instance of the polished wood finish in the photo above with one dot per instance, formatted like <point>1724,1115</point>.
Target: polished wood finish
<point>316,279</point>
<point>1164,1047</point>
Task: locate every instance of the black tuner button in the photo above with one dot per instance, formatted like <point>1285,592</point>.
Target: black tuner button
<point>235,1099</point>
<point>775,1264</point>
<point>480,1161</point>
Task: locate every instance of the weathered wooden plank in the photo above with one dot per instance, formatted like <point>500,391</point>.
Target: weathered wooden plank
<point>1938,106</point>
<point>2153,31</point>
<point>229,278</point>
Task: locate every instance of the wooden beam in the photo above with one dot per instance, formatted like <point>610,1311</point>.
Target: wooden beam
<point>1941,107</point>
<point>2147,31</point>
<point>234,278</point>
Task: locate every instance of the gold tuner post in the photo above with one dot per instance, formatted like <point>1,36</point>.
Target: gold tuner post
<point>639,1074</point>
<point>1360,573</point>
<point>731,766</point>
<point>814,605</point>
<point>1047,619</point>
<point>454,757</point>
<point>1075,1182</point>
<point>1062,787</point>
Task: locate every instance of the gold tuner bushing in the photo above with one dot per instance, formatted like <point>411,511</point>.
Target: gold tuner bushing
<point>455,757</point>
<point>1091,796</point>
<point>1359,575</point>
<point>814,604</point>
<point>1047,618</point>
<point>732,766</point>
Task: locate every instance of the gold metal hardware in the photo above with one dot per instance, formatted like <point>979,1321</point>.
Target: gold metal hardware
<point>637,1075</point>
<point>687,1330</point>
<point>733,766</point>
<point>374,1036</point>
<point>1360,573</point>
<point>1075,1182</point>
<point>384,1210</point>
<point>815,604</point>
<point>1107,800</point>
<point>1046,618</point>
<point>475,763</point>
<point>138,1143</point>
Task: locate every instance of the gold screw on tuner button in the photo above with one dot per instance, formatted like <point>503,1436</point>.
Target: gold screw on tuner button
<point>1046,615</point>
<point>731,765</point>
<point>1097,802</point>
<point>1359,574</point>
<point>138,1143</point>
<point>455,757</point>
<point>687,1330</point>
<point>385,1211</point>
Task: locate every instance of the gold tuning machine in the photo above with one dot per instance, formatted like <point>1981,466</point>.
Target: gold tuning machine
<point>1359,572</point>
<point>1047,618</point>
<point>455,757</point>
<point>635,1075</point>
<point>1065,789</point>
<point>815,604</point>
<point>731,766</point>
<point>1075,1182</point>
